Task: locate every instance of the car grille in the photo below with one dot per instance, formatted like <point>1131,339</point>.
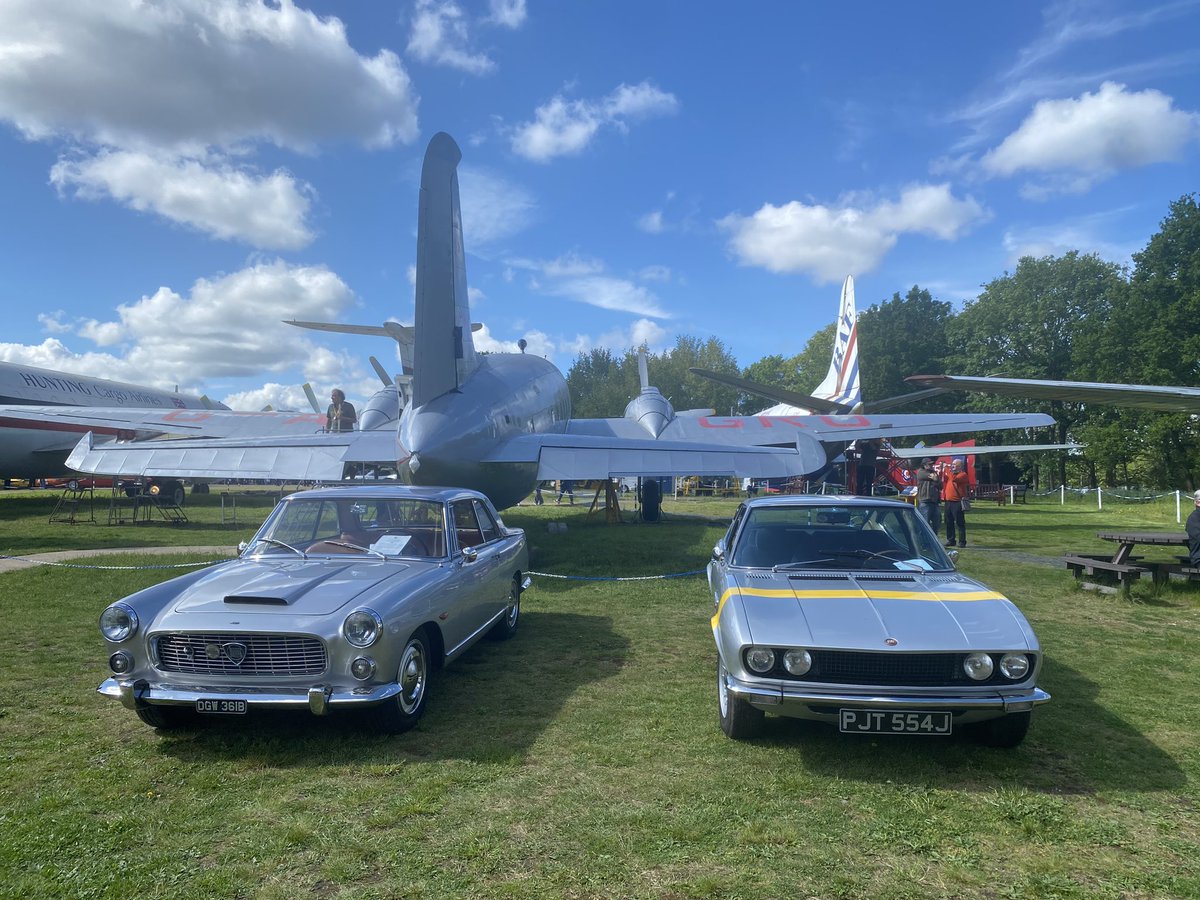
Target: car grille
<point>265,654</point>
<point>888,669</point>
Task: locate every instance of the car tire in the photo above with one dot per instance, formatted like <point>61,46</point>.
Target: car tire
<point>167,718</point>
<point>177,494</point>
<point>739,720</point>
<point>507,627</point>
<point>1006,731</point>
<point>403,711</point>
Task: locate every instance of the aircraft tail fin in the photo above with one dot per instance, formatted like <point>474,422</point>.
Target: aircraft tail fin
<point>443,352</point>
<point>841,384</point>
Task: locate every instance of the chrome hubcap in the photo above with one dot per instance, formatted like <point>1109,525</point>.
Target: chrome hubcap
<point>412,677</point>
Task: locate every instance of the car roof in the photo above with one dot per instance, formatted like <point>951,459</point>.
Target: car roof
<point>387,492</point>
<point>777,500</point>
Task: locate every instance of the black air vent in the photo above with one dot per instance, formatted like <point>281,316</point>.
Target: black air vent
<point>257,601</point>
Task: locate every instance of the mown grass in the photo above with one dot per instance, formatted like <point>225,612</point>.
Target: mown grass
<point>583,757</point>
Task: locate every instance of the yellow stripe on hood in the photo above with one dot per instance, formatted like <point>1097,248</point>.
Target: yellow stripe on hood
<point>853,594</point>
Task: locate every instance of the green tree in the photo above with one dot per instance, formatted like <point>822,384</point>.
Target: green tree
<point>901,337</point>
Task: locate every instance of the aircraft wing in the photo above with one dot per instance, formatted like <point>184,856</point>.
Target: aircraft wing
<point>209,423</point>
<point>586,456</point>
<point>934,452</point>
<point>782,430</point>
<point>1142,396</point>
<point>313,457</point>
<point>778,394</point>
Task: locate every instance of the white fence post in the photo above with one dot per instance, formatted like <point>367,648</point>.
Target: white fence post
<point>1062,495</point>
<point>1099,499</point>
<point>1178,519</point>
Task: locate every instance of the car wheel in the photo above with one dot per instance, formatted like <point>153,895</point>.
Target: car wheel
<point>739,719</point>
<point>168,718</point>
<point>507,627</point>
<point>1006,731</point>
<point>177,493</point>
<point>404,710</point>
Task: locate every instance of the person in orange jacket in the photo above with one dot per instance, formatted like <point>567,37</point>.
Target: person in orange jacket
<point>955,486</point>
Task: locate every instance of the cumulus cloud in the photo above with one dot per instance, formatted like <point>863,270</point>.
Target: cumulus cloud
<point>223,201</point>
<point>158,97</point>
<point>641,332</point>
<point>507,13</point>
<point>224,327</point>
<point>537,343</point>
<point>565,127</point>
<point>1080,141</point>
<point>828,242</point>
<point>651,222</point>
<point>440,35</point>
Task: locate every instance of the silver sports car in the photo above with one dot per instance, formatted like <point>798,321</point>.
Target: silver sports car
<point>847,610</point>
<point>346,598</point>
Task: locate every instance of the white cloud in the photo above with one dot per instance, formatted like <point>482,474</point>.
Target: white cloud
<point>493,208</point>
<point>537,343</point>
<point>225,327</point>
<point>1080,141</point>
<point>53,322</point>
<point>195,73</point>
<point>223,201</point>
<point>655,273</point>
<point>564,127</point>
<point>440,35</point>
<point>157,98</point>
<point>507,13</point>
<point>610,293</point>
<point>1059,238</point>
<point>651,222</point>
<point>829,242</point>
<point>642,331</point>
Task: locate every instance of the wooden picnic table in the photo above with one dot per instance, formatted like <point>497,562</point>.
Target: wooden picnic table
<point>1123,565</point>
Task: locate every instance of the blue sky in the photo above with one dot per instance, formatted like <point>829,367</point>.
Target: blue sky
<point>179,177</point>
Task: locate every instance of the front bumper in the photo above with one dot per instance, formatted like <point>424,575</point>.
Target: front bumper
<point>317,698</point>
<point>803,701</point>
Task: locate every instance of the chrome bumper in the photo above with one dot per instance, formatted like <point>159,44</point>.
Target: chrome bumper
<point>317,699</point>
<point>796,699</point>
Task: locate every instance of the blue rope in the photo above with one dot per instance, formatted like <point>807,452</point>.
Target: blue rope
<point>63,565</point>
<point>609,578</point>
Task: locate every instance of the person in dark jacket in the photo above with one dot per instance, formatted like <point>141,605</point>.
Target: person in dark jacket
<point>929,494</point>
<point>1193,531</point>
<point>341,415</point>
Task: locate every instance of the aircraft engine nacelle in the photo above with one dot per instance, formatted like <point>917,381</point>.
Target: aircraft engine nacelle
<point>382,411</point>
<point>651,410</point>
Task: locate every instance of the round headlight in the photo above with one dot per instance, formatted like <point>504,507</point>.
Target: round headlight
<point>362,668</point>
<point>1014,666</point>
<point>362,627</point>
<point>120,662</point>
<point>798,662</point>
<point>118,623</point>
<point>760,659</point>
<point>978,666</point>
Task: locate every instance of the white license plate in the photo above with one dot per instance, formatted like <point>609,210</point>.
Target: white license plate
<point>222,707</point>
<point>881,721</point>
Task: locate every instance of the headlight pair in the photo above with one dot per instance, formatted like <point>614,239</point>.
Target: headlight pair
<point>980,666</point>
<point>762,660</point>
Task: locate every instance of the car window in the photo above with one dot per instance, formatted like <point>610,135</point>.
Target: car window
<point>837,537</point>
<point>466,525</point>
<point>486,523</point>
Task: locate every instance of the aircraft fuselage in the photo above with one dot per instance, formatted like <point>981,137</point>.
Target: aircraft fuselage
<point>506,395</point>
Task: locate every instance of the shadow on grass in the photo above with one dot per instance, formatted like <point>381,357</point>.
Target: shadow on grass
<point>489,705</point>
<point>1075,746</point>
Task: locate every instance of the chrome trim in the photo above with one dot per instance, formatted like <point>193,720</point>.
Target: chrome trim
<point>140,693</point>
<point>466,642</point>
<point>789,695</point>
<point>318,699</point>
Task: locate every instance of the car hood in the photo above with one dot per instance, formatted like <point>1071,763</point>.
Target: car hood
<point>907,612</point>
<point>299,588</point>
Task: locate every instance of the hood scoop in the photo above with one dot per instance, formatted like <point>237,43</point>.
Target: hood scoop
<point>888,576</point>
<point>256,601</point>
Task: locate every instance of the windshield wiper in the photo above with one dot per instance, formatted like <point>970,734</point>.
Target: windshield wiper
<point>295,550</point>
<point>799,564</point>
<point>355,547</point>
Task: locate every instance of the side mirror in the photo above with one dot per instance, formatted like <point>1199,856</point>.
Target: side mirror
<point>469,554</point>
<point>953,554</point>
<point>242,545</point>
<point>718,553</point>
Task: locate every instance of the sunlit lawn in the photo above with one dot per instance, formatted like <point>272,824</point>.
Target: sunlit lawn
<point>583,758</point>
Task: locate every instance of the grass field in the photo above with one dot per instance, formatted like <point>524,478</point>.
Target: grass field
<point>583,758</point>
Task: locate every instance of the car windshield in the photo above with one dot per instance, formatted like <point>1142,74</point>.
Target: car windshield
<point>830,536</point>
<point>380,526</point>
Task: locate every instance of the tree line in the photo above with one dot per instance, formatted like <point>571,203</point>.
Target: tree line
<point>1073,317</point>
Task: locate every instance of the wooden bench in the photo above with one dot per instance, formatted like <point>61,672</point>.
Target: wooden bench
<point>1122,573</point>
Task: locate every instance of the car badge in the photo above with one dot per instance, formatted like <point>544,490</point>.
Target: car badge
<point>235,651</point>
<point>212,651</point>
<point>891,642</point>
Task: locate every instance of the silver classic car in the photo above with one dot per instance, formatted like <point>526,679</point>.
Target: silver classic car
<point>847,610</point>
<point>346,598</point>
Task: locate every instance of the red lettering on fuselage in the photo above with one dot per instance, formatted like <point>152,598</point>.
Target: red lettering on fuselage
<point>706,422</point>
<point>846,421</point>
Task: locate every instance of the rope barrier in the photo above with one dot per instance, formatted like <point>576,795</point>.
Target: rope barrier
<point>617,578</point>
<point>63,565</point>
